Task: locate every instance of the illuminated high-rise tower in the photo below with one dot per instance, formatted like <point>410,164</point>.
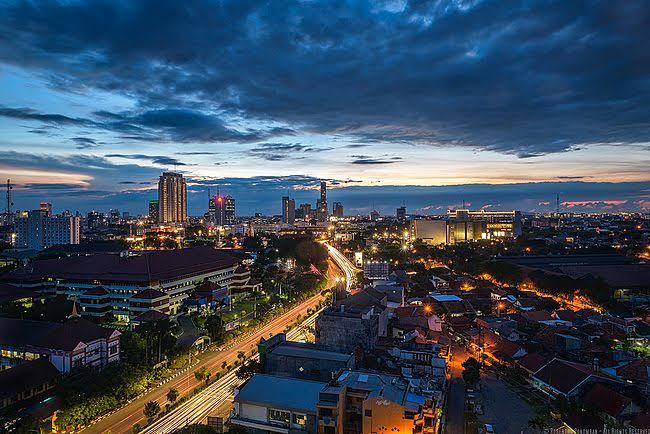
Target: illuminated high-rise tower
<point>172,198</point>
<point>322,202</point>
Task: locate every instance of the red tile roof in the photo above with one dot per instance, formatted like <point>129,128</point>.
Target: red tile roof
<point>606,400</point>
<point>533,362</point>
<point>145,267</point>
<point>565,376</point>
<point>636,370</point>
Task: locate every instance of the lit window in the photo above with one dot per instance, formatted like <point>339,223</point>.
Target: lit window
<point>300,419</point>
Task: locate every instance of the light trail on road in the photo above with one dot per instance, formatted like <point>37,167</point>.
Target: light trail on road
<point>344,264</point>
<point>121,421</point>
<point>195,409</point>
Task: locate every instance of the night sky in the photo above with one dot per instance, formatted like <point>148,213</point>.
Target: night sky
<point>501,104</point>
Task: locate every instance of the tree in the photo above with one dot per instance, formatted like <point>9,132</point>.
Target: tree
<point>214,327</point>
<point>172,395</point>
<point>202,374</point>
<point>136,428</point>
<point>471,371</point>
<point>224,364</point>
<point>249,369</point>
<point>151,409</point>
<point>133,347</point>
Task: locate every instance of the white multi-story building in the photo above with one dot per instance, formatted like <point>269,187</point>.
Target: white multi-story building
<point>38,230</point>
<point>129,279</point>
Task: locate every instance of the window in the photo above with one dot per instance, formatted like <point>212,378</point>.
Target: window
<point>112,349</point>
<point>300,419</point>
<point>367,413</point>
<point>279,417</point>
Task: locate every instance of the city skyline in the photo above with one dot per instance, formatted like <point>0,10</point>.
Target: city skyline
<point>98,99</point>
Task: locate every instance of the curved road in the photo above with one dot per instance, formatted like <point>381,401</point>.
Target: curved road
<point>344,264</point>
<point>123,420</point>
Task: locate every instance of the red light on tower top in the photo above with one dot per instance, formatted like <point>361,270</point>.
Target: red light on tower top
<point>219,199</point>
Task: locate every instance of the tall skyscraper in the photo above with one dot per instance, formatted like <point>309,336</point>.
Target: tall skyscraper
<point>172,198</point>
<point>337,209</point>
<point>322,202</point>
<point>401,213</point>
<point>305,209</point>
<point>222,210</point>
<point>153,211</point>
<point>288,210</point>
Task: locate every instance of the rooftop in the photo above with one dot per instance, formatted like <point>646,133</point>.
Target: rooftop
<point>145,267</point>
<point>281,392</point>
<point>26,375</point>
<point>297,349</point>
<point>19,333</point>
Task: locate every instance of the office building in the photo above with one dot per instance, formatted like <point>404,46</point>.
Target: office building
<point>337,209</point>
<point>375,270</point>
<point>114,216</point>
<point>301,359</point>
<point>153,211</point>
<point>96,220</point>
<point>129,279</point>
<point>401,213</point>
<point>288,210</point>
<point>273,404</point>
<point>493,224</point>
<point>305,209</point>
<point>221,210</point>
<point>432,232</point>
<point>464,225</point>
<point>322,211</point>
<point>35,230</point>
<point>172,199</point>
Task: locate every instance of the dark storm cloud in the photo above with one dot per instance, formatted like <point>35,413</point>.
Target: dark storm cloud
<point>282,151</point>
<point>518,77</point>
<point>157,125</point>
<point>156,159</point>
<point>368,160</point>
<point>28,114</point>
<point>84,142</point>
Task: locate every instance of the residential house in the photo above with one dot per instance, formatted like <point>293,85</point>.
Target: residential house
<point>613,406</point>
<point>561,377</point>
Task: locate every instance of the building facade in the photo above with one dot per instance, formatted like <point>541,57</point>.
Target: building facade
<point>39,230</point>
<point>464,225</point>
<point>288,210</point>
<point>134,281</point>
<point>337,209</point>
<point>172,198</point>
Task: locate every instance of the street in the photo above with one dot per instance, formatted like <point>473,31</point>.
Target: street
<point>455,422</point>
<point>196,409</point>
<point>344,264</point>
<point>504,409</point>
<point>123,420</point>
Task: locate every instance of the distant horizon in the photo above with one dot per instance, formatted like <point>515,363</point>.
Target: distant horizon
<point>255,196</point>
